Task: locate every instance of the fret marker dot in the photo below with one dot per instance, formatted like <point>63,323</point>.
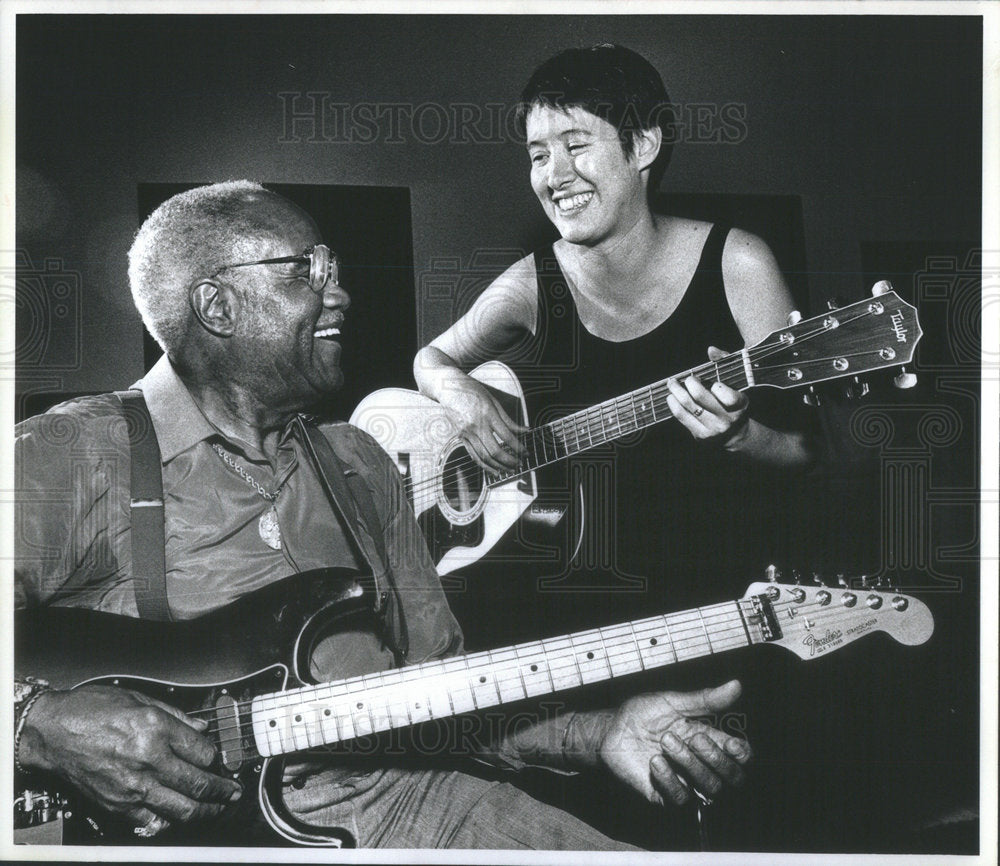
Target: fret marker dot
<point>482,679</point>
<point>534,668</point>
<point>298,718</point>
<point>360,705</point>
<point>590,655</point>
<point>652,641</point>
<point>272,723</point>
<point>326,712</point>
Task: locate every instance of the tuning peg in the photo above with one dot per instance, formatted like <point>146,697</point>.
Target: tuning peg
<point>842,581</point>
<point>856,388</point>
<point>881,288</point>
<point>904,379</point>
<point>794,317</point>
<point>811,397</point>
<point>772,573</point>
<point>817,579</point>
<point>796,576</point>
<point>835,303</point>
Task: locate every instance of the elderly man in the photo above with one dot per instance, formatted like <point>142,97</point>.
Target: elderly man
<point>235,284</point>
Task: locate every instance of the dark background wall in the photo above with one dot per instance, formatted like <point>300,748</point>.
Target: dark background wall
<point>865,132</point>
<point>873,121</point>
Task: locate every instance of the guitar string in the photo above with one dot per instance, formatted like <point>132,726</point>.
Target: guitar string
<point>647,623</point>
<point>451,668</point>
<point>446,666</point>
<point>734,361</point>
<point>313,728</point>
<point>678,633</point>
<point>732,365</point>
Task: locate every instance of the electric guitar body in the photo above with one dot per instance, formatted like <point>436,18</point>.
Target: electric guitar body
<point>246,670</point>
<point>211,666</point>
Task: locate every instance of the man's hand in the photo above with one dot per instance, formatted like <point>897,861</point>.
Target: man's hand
<point>656,744</point>
<point>128,753</point>
<point>488,432</point>
<point>717,412</point>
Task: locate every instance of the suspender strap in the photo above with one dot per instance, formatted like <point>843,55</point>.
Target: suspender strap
<point>352,503</point>
<point>149,568</point>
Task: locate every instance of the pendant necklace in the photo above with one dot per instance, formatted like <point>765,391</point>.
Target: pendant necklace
<point>267,527</point>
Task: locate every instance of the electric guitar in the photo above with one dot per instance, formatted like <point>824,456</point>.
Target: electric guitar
<point>245,669</point>
<point>464,511</point>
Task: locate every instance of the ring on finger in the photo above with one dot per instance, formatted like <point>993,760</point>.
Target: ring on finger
<point>497,437</point>
<point>154,825</point>
<point>698,412</point>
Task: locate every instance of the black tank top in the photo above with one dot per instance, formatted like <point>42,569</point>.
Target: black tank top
<point>664,514</point>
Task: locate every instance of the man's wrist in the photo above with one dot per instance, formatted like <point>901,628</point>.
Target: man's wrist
<point>582,739</point>
<point>28,691</point>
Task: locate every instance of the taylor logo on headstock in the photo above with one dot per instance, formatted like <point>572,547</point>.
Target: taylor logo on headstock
<point>898,327</point>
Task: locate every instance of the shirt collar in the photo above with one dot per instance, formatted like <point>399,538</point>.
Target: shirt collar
<point>178,421</point>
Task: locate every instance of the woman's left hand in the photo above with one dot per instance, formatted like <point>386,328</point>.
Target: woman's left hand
<point>718,412</point>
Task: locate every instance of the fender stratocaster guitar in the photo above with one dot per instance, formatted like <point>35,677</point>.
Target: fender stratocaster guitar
<point>245,669</point>
<point>464,511</point>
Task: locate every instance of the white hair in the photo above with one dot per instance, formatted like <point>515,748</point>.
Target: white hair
<point>191,235</point>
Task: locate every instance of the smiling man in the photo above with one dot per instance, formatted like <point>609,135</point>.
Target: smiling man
<point>237,286</point>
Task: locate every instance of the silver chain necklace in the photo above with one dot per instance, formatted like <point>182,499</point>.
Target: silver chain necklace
<point>267,526</point>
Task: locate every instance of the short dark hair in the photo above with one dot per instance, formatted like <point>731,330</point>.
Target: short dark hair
<point>613,83</point>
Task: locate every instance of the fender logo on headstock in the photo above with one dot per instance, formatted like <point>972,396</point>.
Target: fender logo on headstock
<point>897,327</point>
<point>820,644</point>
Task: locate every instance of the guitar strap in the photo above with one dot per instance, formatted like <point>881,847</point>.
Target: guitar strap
<point>352,503</point>
<point>347,492</point>
<point>149,567</point>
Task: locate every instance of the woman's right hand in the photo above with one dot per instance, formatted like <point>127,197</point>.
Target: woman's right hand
<point>489,433</point>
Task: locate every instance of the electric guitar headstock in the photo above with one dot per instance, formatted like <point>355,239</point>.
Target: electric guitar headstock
<point>815,620</point>
<point>873,334</point>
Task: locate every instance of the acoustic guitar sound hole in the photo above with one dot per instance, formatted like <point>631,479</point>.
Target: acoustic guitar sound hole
<point>462,480</point>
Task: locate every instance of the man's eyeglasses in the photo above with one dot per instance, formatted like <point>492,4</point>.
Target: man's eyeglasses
<point>324,266</point>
